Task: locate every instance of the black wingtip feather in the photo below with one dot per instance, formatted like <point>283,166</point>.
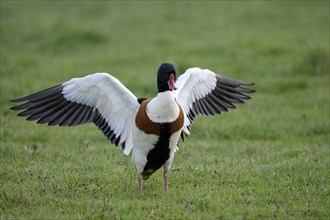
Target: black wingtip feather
<point>18,107</point>
<point>42,94</point>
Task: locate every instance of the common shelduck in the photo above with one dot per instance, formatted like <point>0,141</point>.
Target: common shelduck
<point>151,127</point>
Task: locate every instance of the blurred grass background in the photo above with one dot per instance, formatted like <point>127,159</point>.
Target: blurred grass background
<point>268,159</point>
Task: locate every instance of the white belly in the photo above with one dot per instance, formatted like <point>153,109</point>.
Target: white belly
<point>143,143</point>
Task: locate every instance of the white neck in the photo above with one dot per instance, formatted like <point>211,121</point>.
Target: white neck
<point>163,108</point>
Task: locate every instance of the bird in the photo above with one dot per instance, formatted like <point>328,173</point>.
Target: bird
<point>149,127</point>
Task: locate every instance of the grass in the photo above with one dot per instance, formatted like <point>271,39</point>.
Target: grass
<point>267,160</point>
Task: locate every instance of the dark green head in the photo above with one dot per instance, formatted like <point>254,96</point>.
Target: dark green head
<point>166,77</point>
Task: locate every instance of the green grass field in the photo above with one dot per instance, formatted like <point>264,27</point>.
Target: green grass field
<point>269,159</point>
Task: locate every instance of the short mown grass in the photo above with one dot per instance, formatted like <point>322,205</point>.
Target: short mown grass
<point>269,159</point>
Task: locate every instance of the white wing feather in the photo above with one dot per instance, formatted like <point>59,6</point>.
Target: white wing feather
<point>115,102</point>
<point>194,84</point>
<point>202,92</point>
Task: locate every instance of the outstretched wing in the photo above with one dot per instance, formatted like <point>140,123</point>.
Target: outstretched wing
<point>98,98</point>
<point>202,92</point>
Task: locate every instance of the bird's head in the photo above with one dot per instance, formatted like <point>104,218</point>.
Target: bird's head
<point>166,76</point>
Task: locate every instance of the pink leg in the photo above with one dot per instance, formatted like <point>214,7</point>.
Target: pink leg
<point>166,180</point>
<point>140,178</point>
